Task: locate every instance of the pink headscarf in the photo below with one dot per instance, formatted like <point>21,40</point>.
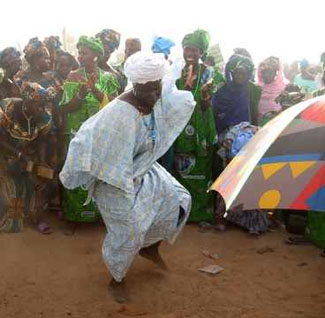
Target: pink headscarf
<point>270,91</point>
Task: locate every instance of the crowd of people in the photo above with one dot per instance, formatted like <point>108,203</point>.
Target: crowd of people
<point>136,145</point>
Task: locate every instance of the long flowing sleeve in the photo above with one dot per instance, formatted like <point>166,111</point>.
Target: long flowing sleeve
<point>103,149</point>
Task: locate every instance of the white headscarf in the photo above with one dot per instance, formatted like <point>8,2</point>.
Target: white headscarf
<point>143,67</point>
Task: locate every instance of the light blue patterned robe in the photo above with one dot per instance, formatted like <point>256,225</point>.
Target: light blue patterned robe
<point>114,157</point>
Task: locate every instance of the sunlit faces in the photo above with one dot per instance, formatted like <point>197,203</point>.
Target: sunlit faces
<point>63,66</point>
<point>239,76</point>
<point>268,74</point>
<point>86,56</point>
<point>191,54</point>
<point>42,61</point>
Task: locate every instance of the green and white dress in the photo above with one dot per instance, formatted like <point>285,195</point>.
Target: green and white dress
<point>73,200</point>
<point>194,153</point>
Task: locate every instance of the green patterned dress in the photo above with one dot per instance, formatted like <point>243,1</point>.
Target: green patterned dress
<point>73,200</point>
<point>194,154</point>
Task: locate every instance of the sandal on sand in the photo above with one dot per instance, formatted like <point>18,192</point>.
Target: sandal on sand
<point>298,240</point>
<point>44,228</point>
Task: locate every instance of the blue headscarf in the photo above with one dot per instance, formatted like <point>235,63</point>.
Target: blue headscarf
<point>231,103</point>
<point>304,63</point>
<point>162,45</point>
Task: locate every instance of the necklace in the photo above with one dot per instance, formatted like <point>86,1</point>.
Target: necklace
<point>27,118</point>
<point>197,81</point>
<point>86,74</point>
<point>151,128</point>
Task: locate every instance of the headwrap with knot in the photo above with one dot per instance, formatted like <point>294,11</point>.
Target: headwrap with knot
<point>142,67</point>
<point>9,52</point>
<point>53,43</point>
<point>237,61</point>
<point>92,43</point>
<point>242,51</point>
<point>110,37</point>
<point>199,39</point>
<point>162,45</point>
<point>33,48</point>
<point>35,92</point>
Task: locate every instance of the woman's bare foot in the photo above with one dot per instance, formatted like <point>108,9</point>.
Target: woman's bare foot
<point>152,253</point>
<point>118,291</point>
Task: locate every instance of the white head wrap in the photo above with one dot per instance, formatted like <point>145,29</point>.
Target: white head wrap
<point>143,67</point>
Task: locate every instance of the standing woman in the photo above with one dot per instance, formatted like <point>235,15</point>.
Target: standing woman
<point>64,63</point>
<point>235,103</point>
<point>38,59</point>
<point>53,44</point>
<point>194,147</point>
<point>111,41</point>
<point>24,128</point>
<point>271,79</point>
<point>10,62</point>
<point>39,65</point>
<point>86,91</point>
<point>238,99</point>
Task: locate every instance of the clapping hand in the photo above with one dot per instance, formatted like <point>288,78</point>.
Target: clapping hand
<point>206,89</point>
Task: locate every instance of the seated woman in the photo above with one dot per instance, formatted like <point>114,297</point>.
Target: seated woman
<point>24,128</point>
<point>271,79</point>
<point>86,91</point>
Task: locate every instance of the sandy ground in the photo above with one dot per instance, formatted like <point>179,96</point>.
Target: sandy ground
<point>62,276</point>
